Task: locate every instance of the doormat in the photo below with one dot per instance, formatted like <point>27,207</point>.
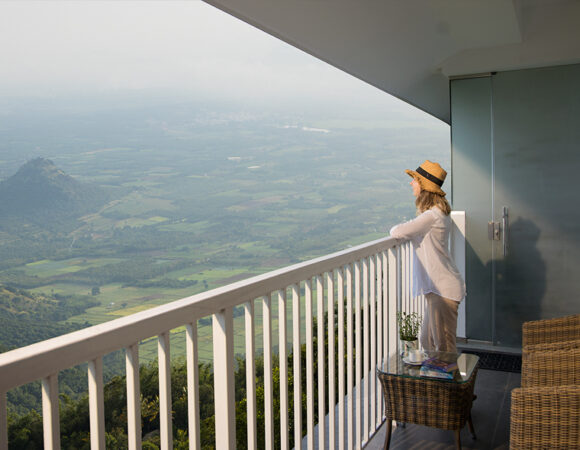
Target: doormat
<point>497,361</point>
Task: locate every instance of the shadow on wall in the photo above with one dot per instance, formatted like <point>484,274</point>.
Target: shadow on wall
<point>520,285</point>
<point>520,280</point>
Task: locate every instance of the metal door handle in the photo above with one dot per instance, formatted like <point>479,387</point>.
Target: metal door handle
<point>505,227</point>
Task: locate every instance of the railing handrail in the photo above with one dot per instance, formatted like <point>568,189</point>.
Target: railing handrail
<point>39,360</point>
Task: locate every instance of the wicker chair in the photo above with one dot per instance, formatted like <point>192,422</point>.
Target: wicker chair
<point>551,330</point>
<point>545,411</point>
<point>551,368</point>
<point>545,417</point>
<point>433,403</point>
<point>552,346</point>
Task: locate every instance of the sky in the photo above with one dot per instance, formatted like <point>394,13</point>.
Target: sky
<point>52,48</point>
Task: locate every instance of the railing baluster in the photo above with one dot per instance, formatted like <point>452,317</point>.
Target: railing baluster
<point>3,422</point>
<point>404,278</point>
<point>133,397</point>
<point>412,306</point>
<point>394,300</point>
<point>402,267</point>
<point>349,361</point>
<point>386,302</point>
<point>409,278</point>
<point>96,404</point>
<point>283,360</point>
<point>331,361</point>
<point>251,376</point>
<point>365,373</point>
<point>296,371</point>
<point>380,332</point>
<point>419,303</point>
<point>341,390</point>
<point>268,384</point>
<point>412,302</point>
<point>309,365</point>
<point>358,351</point>
<point>401,278</point>
<point>321,374</point>
<point>193,386</point>
<point>165,422</point>
<point>223,356</point>
<point>50,418</point>
<point>372,373</point>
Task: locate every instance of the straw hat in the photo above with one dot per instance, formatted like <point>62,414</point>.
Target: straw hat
<point>430,176</point>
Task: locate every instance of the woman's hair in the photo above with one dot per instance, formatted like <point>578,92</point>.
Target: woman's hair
<point>427,200</point>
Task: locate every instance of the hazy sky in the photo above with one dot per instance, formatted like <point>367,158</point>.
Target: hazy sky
<point>50,48</point>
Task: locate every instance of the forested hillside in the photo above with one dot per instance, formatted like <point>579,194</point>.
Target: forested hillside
<point>25,431</point>
<point>26,318</point>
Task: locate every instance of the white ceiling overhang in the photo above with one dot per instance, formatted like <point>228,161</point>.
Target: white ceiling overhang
<point>410,49</point>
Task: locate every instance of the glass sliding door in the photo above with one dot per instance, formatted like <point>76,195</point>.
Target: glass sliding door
<point>515,161</point>
<point>471,192</point>
<point>536,142</point>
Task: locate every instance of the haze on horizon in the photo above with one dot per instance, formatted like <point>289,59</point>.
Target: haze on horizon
<point>185,48</point>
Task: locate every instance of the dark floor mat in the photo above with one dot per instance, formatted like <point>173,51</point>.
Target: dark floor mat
<point>497,361</point>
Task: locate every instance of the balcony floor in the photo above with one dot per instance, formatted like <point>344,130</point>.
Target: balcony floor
<point>490,414</point>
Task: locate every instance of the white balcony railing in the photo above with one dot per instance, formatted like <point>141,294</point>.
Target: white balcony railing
<point>366,285</point>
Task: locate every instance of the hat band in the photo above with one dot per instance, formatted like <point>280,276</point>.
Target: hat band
<point>430,177</point>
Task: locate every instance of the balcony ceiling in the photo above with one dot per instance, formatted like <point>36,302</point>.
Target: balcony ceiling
<point>410,49</point>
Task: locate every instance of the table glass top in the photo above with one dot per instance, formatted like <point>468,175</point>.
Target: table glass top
<point>459,366</point>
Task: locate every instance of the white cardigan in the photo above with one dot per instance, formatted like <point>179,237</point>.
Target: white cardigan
<point>433,268</point>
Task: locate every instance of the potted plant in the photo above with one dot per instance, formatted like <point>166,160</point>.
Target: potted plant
<point>409,325</point>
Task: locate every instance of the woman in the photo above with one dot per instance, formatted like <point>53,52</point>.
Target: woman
<point>434,272</point>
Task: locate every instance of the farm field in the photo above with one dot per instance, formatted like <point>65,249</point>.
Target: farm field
<point>196,205</point>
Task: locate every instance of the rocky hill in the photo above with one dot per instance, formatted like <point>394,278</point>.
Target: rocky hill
<point>44,195</point>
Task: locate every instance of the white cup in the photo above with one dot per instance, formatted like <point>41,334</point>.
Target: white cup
<point>415,355</point>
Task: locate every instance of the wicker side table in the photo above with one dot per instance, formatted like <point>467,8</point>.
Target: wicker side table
<point>444,404</point>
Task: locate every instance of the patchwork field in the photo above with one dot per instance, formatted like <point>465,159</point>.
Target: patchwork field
<point>196,207</point>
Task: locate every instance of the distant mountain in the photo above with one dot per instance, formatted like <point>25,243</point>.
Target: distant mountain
<point>43,194</point>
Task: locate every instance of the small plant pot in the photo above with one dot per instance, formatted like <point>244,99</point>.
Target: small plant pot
<point>406,346</point>
<point>408,326</point>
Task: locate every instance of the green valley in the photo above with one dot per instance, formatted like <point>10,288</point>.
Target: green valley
<point>143,206</point>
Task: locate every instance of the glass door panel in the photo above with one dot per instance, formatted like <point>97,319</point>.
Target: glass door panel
<point>536,133</point>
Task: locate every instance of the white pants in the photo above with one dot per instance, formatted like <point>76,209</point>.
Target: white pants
<point>439,327</point>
